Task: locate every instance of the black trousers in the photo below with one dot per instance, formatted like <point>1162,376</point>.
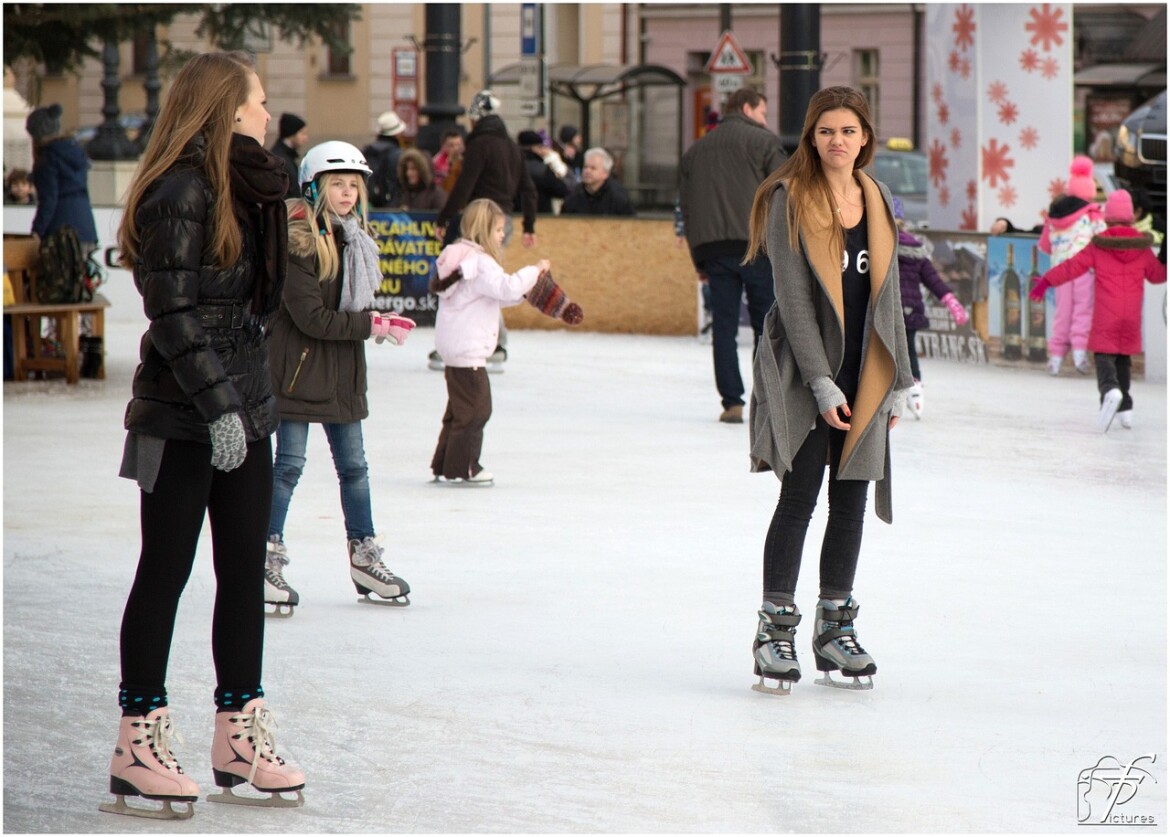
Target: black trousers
<point>1113,372</point>
<point>469,406</point>
<point>798,497</point>
<point>237,503</point>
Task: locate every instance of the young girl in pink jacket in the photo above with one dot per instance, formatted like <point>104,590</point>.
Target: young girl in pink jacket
<point>1121,261</point>
<point>472,288</point>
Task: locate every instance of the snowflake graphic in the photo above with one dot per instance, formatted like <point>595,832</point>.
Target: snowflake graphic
<point>944,114</point>
<point>1008,113</point>
<point>1029,60</point>
<point>972,190</point>
<point>944,196</point>
<point>965,68</point>
<point>1007,197</point>
<point>970,220</point>
<point>996,163</point>
<point>997,91</point>
<point>1029,138</point>
<point>936,92</point>
<point>938,163</point>
<point>964,27</point>
<point>1046,26</point>
<point>1050,68</point>
<point>1055,189</point>
<point>954,61</point>
<point>956,138</point>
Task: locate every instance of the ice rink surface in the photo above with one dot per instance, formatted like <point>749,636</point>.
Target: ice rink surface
<point>577,657</point>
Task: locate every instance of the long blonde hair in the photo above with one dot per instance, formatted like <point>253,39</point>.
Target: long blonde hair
<point>202,101</point>
<point>319,214</point>
<point>478,222</point>
<point>803,175</point>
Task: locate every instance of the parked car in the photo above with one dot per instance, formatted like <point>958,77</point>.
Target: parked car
<point>1140,151</point>
<point>905,172</point>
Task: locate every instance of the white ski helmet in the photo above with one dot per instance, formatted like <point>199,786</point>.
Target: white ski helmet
<point>334,155</point>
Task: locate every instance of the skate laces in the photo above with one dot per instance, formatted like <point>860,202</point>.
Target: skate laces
<point>847,641</point>
<point>368,555</point>
<point>258,726</point>
<point>780,637</point>
<point>159,733</point>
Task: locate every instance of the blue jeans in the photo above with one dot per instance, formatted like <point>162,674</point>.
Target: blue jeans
<point>349,459</point>
<point>728,280</point>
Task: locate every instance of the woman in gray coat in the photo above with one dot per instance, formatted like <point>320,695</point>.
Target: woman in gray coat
<point>829,376</point>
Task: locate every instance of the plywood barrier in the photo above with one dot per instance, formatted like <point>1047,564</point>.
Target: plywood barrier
<point>627,274</point>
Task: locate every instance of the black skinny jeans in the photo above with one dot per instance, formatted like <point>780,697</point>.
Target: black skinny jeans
<point>237,504</point>
<point>798,497</point>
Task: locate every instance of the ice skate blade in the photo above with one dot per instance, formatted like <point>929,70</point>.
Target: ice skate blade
<point>282,610</point>
<point>273,800</point>
<point>782,687</point>
<point>495,368</point>
<point>166,812</point>
<point>861,683</point>
<point>397,601</point>
<point>459,482</point>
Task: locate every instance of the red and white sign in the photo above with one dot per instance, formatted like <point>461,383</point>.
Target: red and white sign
<point>728,57</point>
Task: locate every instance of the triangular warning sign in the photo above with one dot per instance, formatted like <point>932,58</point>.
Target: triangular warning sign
<point>728,57</point>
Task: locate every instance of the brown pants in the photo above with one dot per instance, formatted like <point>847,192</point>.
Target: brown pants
<point>469,406</point>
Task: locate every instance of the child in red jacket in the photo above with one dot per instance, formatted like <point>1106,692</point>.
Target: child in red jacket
<point>1122,262</point>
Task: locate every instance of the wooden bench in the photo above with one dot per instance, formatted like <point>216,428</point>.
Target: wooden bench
<point>32,351</point>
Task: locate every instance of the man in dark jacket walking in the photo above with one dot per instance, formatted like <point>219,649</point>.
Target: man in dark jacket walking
<point>718,177</point>
<point>293,136</point>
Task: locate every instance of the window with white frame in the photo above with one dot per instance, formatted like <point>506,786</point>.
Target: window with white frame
<point>865,78</point>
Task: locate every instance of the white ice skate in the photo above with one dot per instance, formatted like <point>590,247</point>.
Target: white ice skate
<point>1109,405</point>
<point>244,750</point>
<point>835,646</point>
<point>914,400</point>
<point>483,479</point>
<point>370,575</point>
<point>143,765</point>
<point>277,591</point>
<point>774,649</point>
<point>495,361</point>
<point>1125,419</point>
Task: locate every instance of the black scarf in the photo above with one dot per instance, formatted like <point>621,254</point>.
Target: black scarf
<point>259,185</point>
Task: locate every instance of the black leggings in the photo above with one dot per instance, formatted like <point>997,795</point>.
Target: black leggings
<point>237,504</point>
<point>798,497</point>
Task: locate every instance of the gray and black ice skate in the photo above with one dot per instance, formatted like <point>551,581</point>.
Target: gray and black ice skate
<point>835,646</point>
<point>370,575</point>
<point>277,591</point>
<point>775,650</point>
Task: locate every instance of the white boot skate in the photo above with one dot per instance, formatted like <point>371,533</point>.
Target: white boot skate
<point>1109,404</point>
<point>244,750</point>
<point>1125,419</point>
<point>774,649</point>
<point>914,400</point>
<point>370,575</point>
<point>143,765</point>
<point>277,591</point>
<point>835,645</point>
<point>1081,361</point>
<point>1054,364</point>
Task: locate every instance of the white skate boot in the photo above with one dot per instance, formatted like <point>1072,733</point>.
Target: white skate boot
<point>835,645</point>
<point>277,591</point>
<point>1054,364</point>
<point>774,648</point>
<point>1125,419</point>
<point>244,750</point>
<point>1109,404</point>
<point>143,765</point>
<point>914,400</point>
<point>370,575</point>
<point>1081,361</point>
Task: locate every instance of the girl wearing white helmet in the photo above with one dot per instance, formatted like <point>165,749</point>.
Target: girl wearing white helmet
<point>318,361</point>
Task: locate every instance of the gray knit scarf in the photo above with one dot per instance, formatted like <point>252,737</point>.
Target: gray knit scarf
<point>363,271</point>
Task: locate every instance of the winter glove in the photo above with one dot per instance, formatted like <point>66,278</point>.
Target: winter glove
<point>1039,289</point>
<point>390,327</point>
<point>958,312</point>
<point>229,446</point>
<point>549,298</point>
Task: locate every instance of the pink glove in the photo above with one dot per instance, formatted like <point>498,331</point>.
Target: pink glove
<point>958,312</point>
<point>1039,289</point>
<point>390,327</point>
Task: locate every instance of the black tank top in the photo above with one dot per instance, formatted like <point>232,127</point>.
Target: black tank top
<point>855,287</point>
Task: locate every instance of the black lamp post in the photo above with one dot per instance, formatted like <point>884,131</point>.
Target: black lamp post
<point>443,53</point>
<point>110,142</point>
<point>152,86</point>
<point>800,61</point>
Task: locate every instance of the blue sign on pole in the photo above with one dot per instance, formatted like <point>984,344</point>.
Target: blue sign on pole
<point>529,40</point>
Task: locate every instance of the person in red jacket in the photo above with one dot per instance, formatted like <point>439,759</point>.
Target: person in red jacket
<point>1122,262</point>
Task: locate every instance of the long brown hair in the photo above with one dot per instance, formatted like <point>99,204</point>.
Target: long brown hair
<point>802,174</point>
<point>202,100</point>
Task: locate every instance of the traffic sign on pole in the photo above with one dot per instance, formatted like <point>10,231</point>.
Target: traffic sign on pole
<point>728,57</point>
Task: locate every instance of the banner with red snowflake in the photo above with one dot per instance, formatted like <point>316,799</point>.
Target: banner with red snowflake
<point>1000,118</point>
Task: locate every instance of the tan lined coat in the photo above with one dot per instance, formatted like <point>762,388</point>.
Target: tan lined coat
<point>804,339</point>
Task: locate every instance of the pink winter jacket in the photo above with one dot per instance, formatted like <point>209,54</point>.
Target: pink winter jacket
<point>468,323</point>
<point>1122,261</point>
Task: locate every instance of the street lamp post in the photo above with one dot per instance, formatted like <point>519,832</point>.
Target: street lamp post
<point>110,142</point>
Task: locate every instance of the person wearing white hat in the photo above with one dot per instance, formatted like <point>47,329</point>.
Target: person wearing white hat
<point>382,155</point>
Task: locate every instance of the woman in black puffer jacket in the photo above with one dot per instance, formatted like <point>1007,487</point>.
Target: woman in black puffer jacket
<point>205,232</point>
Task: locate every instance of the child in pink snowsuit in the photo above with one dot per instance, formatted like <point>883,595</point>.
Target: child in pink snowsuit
<point>1121,261</point>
